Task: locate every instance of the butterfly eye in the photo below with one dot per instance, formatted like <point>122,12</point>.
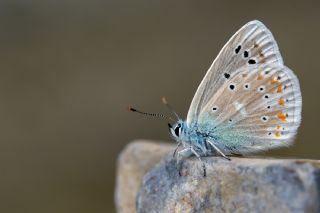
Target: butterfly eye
<point>177,131</point>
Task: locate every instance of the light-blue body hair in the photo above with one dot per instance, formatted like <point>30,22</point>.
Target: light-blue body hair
<point>200,136</point>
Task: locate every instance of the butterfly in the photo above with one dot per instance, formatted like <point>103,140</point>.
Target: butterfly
<point>248,101</point>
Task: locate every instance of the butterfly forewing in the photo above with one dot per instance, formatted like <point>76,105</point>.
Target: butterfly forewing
<point>252,45</point>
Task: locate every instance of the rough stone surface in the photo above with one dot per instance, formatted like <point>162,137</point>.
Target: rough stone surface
<point>145,183</point>
<point>134,161</point>
<point>239,185</point>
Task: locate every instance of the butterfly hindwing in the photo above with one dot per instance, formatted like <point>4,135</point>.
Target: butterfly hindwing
<point>250,46</point>
<point>255,109</point>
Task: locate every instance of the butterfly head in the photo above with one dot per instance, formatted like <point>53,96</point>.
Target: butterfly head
<point>177,129</point>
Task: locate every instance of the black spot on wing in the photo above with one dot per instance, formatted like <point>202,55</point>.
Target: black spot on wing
<point>252,61</point>
<point>237,50</point>
<point>231,86</point>
<point>226,75</point>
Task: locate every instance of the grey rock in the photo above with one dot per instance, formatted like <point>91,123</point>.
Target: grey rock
<point>134,161</point>
<point>240,185</point>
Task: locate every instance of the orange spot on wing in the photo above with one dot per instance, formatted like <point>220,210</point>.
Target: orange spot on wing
<point>278,127</point>
<point>282,116</point>
<point>274,80</point>
<point>281,101</point>
<point>260,77</point>
<point>279,89</point>
<point>278,135</point>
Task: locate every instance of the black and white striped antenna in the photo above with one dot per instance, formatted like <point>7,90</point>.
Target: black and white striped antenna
<point>158,115</point>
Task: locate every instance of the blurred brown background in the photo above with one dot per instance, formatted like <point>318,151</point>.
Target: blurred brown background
<point>69,69</point>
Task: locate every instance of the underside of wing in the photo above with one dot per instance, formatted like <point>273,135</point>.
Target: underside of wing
<point>250,46</point>
<point>256,109</point>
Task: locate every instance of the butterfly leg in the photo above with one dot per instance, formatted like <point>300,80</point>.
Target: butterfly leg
<point>186,152</point>
<point>218,150</point>
<point>203,165</point>
<point>176,149</point>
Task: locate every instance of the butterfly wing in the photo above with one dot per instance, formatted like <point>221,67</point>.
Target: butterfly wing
<point>256,109</point>
<point>253,44</point>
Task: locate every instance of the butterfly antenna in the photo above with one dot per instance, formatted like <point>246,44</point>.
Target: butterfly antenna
<point>165,102</point>
<point>158,115</point>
